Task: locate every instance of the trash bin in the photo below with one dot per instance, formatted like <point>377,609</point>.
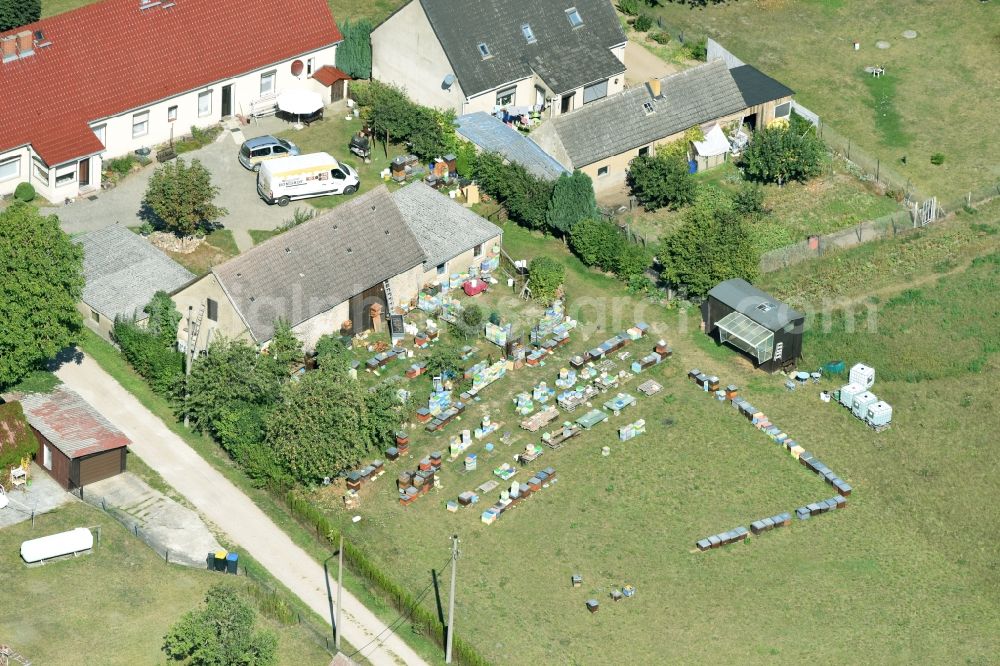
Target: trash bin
<point>220,560</point>
<point>211,561</point>
<point>231,563</point>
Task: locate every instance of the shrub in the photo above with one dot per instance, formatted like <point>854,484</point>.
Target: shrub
<point>572,200</point>
<point>160,365</point>
<point>698,49</point>
<point>632,261</point>
<point>937,159</point>
<point>661,37</point>
<point>780,153</point>
<point>24,192</point>
<point>597,243</point>
<point>495,318</point>
<point>643,23</point>
<point>546,276</point>
<point>525,197</point>
<point>19,439</point>
<point>444,360</point>
<point>661,181</point>
<point>332,354</point>
<point>628,7</point>
<point>121,165</point>
<point>749,201</point>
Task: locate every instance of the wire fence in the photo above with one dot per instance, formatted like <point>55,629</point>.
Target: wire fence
<point>864,165</point>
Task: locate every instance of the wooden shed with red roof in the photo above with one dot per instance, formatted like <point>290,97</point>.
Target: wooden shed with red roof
<point>77,445</point>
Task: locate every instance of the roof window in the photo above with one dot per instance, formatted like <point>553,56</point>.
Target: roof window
<point>528,33</point>
<point>574,17</point>
<point>648,108</point>
<point>765,307</point>
<point>484,51</point>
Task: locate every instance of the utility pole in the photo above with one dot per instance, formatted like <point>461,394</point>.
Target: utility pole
<point>340,587</point>
<point>335,624</point>
<point>451,599</point>
<point>187,368</point>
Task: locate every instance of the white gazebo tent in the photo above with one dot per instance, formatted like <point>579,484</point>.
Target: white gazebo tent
<point>713,150</point>
<point>300,103</point>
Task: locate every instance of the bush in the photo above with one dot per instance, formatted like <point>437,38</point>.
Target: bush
<point>661,37</point>
<point>632,261</point>
<point>525,197</point>
<point>19,439</point>
<point>24,192</point>
<point>597,243</point>
<point>749,201</point>
<point>160,365</point>
<point>661,181</point>
<point>120,165</point>
<point>546,275</point>
<point>444,361</point>
<point>628,7</point>
<point>643,23</point>
<point>780,153</point>
<point>937,159</point>
<point>698,49</point>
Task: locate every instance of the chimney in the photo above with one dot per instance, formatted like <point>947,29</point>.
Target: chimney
<point>25,45</point>
<point>654,87</point>
<point>8,49</point>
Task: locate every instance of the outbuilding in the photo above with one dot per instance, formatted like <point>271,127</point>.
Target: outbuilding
<point>77,445</point>
<point>766,330</point>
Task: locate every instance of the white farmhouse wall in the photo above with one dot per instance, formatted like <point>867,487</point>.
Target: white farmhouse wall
<point>311,330</point>
<point>23,157</point>
<point>407,53</point>
<point>524,95</point>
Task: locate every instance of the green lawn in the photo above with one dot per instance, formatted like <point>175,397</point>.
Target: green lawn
<point>219,246</point>
<point>260,235</point>
<point>68,607</point>
<point>934,91</point>
<point>833,201</point>
<point>899,571</point>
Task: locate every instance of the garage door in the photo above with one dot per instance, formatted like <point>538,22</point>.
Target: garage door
<point>101,466</point>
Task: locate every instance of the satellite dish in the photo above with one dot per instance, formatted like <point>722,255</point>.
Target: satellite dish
<point>297,67</point>
<point>448,81</point>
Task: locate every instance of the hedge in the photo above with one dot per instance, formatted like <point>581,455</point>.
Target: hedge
<point>18,439</point>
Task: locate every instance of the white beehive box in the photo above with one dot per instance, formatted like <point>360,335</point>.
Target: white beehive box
<point>861,403</point>
<point>863,375</point>
<point>879,414</point>
<point>848,393</point>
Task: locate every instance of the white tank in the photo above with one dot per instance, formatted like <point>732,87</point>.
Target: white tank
<point>861,403</point>
<point>863,375</point>
<point>879,414</point>
<point>848,392</point>
<point>54,545</point>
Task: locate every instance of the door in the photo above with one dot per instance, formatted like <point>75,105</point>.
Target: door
<point>83,177</point>
<point>337,91</point>
<point>360,307</point>
<point>227,100</point>
<point>567,103</point>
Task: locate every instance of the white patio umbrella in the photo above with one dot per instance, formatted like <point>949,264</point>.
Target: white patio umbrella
<point>300,102</point>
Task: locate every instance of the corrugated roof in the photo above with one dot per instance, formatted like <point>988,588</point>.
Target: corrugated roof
<point>320,264</point>
<point>619,123</point>
<point>489,133</point>
<point>443,228</point>
<point>109,57</point>
<point>70,423</point>
<point>757,87</point>
<point>123,270</point>
<point>759,306</point>
<point>563,56</point>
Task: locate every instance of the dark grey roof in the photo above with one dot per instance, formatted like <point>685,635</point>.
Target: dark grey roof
<point>443,228</point>
<point>747,299</point>
<point>122,270</point>
<point>619,123</point>
<point>564,57</point>
<point>489,133</point>
<point>757,87</point>
<point>320,264</point>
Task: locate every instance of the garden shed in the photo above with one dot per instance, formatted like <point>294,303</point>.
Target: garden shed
<point>77,445</point>
<point>766,330</point>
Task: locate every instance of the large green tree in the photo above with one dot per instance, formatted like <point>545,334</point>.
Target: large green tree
<point>572,200</point>
<point>333,354</point>
<point>285,347</point>
<point>354,54</point>
<point>661,181</point>
<point>320,426</point>
<point>182,198</point>
<point>712,244</point>
<point>40,286</point>
<point>221,633</point>
<point>15,13</point>
<point>783,152</point>
<point>597,243</point>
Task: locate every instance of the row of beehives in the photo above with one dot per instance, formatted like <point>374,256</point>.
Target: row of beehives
<point>518,493</point>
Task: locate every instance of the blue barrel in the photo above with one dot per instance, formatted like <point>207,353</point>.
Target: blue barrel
<point>232,560</point>
<point>692,166</point>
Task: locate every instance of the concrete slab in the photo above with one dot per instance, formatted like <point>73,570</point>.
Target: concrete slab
<point>165,525</point>
<point>42,496</point>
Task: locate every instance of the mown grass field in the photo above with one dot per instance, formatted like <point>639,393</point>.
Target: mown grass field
<point>935,87</point>
<point>112,606</point>
<point>899,576</point>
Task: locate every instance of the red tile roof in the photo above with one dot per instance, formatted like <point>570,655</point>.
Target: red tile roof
<point>328,75</point>
<point>110,57</point>
<point>70,423</point>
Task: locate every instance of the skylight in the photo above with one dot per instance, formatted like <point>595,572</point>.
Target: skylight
<point>648,108</point>
<point>765,307</point>
<point>528,33</point>
<point>574,17</point>
<point>484,51</point>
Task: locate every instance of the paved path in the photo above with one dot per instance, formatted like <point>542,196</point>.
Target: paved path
<point>226,506</point>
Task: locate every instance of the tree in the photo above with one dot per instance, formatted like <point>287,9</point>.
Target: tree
<point>632,260</point>
<point>40,286</point>
<point>387,111</point>
<point>470,321</point>
<point>545,275</point>
<point>222,633</point>
<point>597,243</point>
<point>181,198</point>
<point>332,355</point>
<point>320,426</point>
<point>711,245</point>
<point>239,429</point>
<point>163,318</point>
<point>444,360</point>
<point>15,13</point>
<point>572,200</point>
<point>525,197</point>
<point>783,152</point>
<point>285,348</point>
<point>661,181</point>
<point>354,54</point>
<point>384,414</point>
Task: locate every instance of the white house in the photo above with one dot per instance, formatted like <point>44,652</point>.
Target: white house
<point>118,75</point>
<point>484,55</point>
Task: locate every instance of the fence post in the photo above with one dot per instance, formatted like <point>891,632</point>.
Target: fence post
<point>848,149</point>
<point>878,165</point>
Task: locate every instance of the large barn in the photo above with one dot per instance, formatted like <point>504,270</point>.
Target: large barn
<point>766,330</point>
<point>77,445</point>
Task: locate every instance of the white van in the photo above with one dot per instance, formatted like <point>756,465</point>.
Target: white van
<point>302,176</point>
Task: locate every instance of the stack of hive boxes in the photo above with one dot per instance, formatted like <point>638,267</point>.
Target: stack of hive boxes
<point>723,538</point>
<point>518,493</point>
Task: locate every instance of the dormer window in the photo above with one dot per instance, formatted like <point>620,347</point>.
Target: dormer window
<point>529,34</point>
<point>574,17</point>
<point>484,51</point>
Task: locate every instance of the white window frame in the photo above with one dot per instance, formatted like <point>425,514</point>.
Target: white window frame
<point>205,109</point>
<point>140,124</point>
<point>271,78</point>
<point>46,457</point>
<point>786,107</point>
<point>574,18</point>
<point>506,92</point>
<point>171,113</point>
<point>16,162</point>
<point>602,172</point>
<point>101,132</point>
<point>529,34</point>
<point>40,172</point>
<point>310,66</point>
<point>66,175</point>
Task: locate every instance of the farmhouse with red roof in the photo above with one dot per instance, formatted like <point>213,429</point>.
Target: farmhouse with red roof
<point>109,78</point>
